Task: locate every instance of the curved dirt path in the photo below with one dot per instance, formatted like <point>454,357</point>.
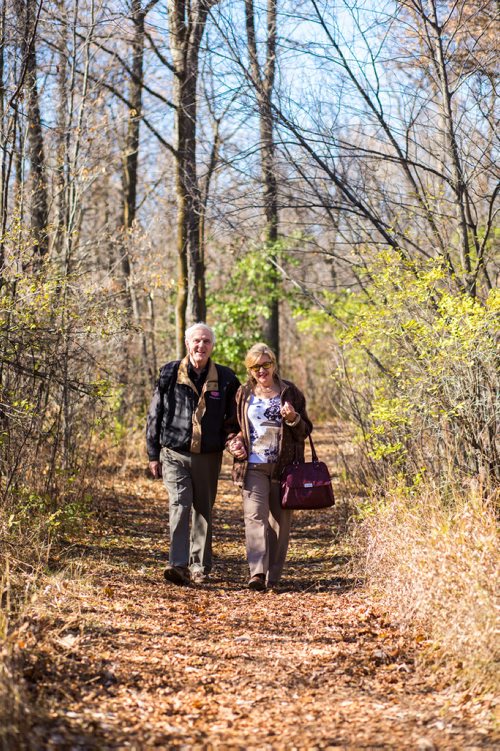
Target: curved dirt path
<point>127,661</point>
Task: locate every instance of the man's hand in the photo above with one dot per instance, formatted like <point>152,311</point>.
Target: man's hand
<point>155,469</point>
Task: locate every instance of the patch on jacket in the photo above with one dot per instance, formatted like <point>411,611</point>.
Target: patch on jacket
<point>214,394</point>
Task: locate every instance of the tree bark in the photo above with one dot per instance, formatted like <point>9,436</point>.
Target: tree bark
<point>263,82</point>
<point>186,26</point>
<point>458,182</point>
<point>3,173</point>
<point>39,201</point>
<point>131,173</point>
<point>62,134</point>
<point>131,159</point>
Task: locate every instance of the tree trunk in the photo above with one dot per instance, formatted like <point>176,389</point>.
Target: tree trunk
<point>3,139</point>
<point>135,97</point>
<point>39,200</point>
<point>62,135</point>
<point>130,179</point>
<point>186,25</point>
<point>263,82</point>
<point>271,327</point>
<point>458,183</point>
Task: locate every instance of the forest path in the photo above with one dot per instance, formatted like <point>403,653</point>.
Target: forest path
<point>130,662</point>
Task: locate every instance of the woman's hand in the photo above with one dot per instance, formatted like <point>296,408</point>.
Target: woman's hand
<point>288,413</point>
<point>237,448</point>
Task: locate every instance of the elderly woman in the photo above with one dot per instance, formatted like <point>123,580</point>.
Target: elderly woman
<point>273,424</point>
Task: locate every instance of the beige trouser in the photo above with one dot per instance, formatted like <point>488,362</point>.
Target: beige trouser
<point>267,525</point>
<point>191,482</point>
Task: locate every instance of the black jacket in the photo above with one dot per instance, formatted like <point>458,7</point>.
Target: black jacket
<point>182,419</point>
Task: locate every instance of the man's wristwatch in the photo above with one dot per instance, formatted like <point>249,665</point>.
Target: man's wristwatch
<point>295,421</point>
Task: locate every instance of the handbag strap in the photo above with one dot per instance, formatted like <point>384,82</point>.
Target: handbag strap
<point>313,450</point>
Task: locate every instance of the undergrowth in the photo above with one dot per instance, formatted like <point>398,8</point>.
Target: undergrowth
<point>24,553</point>
<point>435,562</point>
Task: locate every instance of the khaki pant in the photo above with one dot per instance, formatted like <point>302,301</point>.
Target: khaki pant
<point>191,482</point>
<point>267,525</point>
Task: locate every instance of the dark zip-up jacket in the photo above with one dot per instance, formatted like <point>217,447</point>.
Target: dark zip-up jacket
<point>183,419</point>
<point>291,441</point>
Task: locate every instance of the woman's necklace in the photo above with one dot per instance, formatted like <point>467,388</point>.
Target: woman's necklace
<point>266,391</point>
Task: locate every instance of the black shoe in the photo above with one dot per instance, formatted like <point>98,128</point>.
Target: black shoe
<point>257,583</point>
<point>177,575</point>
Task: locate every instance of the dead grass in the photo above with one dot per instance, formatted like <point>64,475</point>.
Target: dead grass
<point>23,554</point>
<point>436,565</point>
<point>28,545</point>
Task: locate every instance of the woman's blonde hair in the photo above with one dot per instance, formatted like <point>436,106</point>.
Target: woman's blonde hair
<point>255,353</point>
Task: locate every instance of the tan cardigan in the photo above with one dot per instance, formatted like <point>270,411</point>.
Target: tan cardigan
<point>291,440</point>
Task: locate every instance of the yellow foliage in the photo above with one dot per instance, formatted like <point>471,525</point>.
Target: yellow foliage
<point>434,401</point>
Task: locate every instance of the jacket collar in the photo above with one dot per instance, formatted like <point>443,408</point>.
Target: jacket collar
<point>211,381</point>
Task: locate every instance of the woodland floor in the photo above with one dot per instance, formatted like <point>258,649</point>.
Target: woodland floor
<point>127,661</point>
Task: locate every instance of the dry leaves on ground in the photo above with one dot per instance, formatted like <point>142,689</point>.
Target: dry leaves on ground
<point>124,660</point>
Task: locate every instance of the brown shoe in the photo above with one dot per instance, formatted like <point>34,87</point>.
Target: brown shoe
<point>177,575</point>
<point>257,583</point>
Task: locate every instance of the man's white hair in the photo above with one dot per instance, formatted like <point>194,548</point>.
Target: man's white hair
<point>190,331</point>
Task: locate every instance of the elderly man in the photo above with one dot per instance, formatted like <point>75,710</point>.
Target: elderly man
<point>191,413</point>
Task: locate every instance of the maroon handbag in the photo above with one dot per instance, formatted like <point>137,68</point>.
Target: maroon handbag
<point>306,485</point>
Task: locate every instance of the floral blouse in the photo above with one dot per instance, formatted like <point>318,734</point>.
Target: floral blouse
<point>264,417</point>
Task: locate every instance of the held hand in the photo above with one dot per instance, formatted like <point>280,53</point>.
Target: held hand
<point>237,448</point>
<point>288,413</point>
<point>155,469</point>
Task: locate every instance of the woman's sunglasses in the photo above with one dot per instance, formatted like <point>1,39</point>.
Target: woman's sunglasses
<point>263,365</point>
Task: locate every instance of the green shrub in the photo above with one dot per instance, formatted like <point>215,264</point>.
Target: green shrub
<point>423,360</point>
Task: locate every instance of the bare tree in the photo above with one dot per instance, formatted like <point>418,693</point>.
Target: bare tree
<point>393,161</point>
<point>28,13</point>
<point>263,77</point>
<point>439,26</point>
<point>4,138</point>
<point>186,27</point>
<point>130,167</point>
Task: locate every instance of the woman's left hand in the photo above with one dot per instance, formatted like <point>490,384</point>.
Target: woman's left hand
<point>288,413</point>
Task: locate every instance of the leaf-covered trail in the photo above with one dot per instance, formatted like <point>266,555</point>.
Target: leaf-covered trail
<point>131,662</point>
